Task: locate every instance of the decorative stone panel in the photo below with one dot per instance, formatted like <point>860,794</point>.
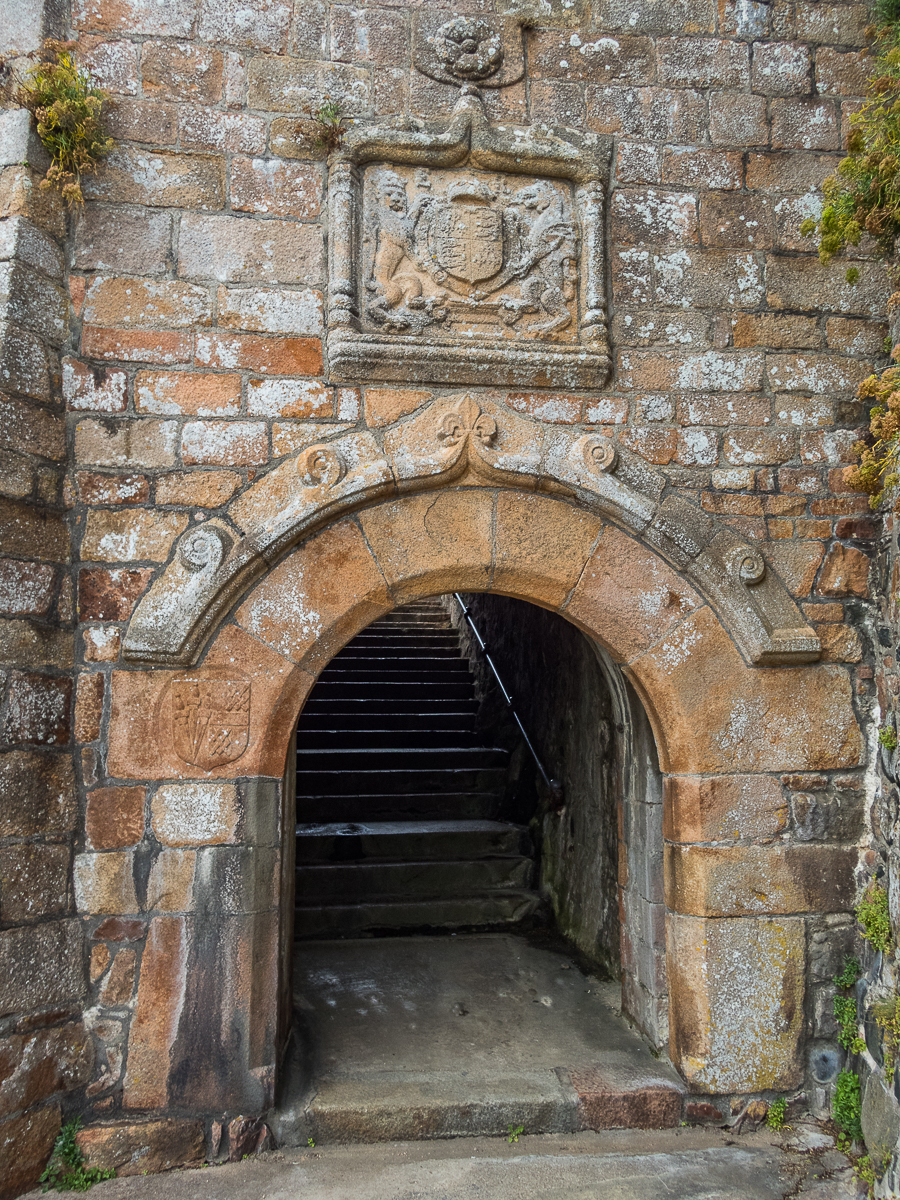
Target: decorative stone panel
<point>468,253</point>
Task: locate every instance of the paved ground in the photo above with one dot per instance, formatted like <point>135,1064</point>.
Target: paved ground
<point>407,1038</point>
<point>438,1036</point>
<point>683,1164</point>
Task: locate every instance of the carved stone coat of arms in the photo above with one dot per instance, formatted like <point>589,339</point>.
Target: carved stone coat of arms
<point>210,719</point>
<point>468,253</point>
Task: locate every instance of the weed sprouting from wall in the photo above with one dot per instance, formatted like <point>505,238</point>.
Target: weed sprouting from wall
<point>67,108</point>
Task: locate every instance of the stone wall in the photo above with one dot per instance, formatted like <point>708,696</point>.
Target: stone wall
<point>601,853</point>
<point>194,369</point>
<point>47,714</point>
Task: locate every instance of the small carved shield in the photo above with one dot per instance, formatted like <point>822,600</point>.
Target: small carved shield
<point>210,720</point>
<point>468,241</point>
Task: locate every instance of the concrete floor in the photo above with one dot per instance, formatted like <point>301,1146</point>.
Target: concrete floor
<point>429,1037</point>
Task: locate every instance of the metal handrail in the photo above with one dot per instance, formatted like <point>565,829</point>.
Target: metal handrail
<point>553,785</point>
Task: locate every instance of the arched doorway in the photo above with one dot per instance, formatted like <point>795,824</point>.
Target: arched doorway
<point>736,898</point>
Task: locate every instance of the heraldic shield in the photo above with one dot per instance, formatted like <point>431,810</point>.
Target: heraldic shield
<point>468,241</point>
<point>210,720</point>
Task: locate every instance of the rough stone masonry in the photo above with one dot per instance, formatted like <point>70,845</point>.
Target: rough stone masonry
<point>543,324</point>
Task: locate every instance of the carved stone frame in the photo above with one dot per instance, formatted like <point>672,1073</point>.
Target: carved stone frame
<point>468,140</point>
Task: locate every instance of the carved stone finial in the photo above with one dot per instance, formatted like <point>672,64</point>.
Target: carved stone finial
<point>468,49</point>
<point>600,453</point>
<point>320,466</point>
<point>467,420</point>
<point>752,568</point>
<point>485,50</point>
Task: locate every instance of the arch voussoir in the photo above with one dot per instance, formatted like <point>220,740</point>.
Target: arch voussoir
<point>456,441</point>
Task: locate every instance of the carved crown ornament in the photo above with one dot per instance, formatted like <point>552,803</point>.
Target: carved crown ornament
<point>465,252</point>
<point>461,440</point>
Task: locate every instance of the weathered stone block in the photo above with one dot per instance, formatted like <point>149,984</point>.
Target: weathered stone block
<point>40,965</point>
<point>36,794</point>
<point>196,814</point>
<point>736,1002</point>
<point>170,887</point>
<point>287,85</point>
<point>553,55</point>
<point>26,588</point>
<point>127,536</point>
<point>225,132</point>
<point>160,179</point>
<point>33,533</point>
<point>143,1148</point>
<point>276,188</point>
<point>125,302</point>
<point>289,398</point>
<point>611,1097</point>
<point>25,1145</point>
<point>119,984</point>
<point>110,595</point>
<point>143,121</point>
<point>751,880</point>
<point>177,392</point>
<point>33,302</point>
<point>34,883</point>
<point>206,489</point>
<point>126,444</point>
<point>34,1067</point>
<point>706,724</point>
<point>181,71</point>
<point>24,363</point>
<point>265,355</point>
<point>136,345</point>
<point>240,250</point>
<point>39,709</point>
<point>845,573</point>
<point>781,69</point>
<point>114,817</point>
<point>94,388</point>
<point>805,125</point>
<point>723,808</point>
<point>115,239</point>
<point>97,488</point>
<point>104,883</point>
<point>225,443</point>
<point>271,310</point>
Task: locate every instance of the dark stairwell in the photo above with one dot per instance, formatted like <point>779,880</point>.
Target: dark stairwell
<point>407,821</point>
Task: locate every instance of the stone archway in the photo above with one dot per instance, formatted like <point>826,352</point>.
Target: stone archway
<point>725,729</point>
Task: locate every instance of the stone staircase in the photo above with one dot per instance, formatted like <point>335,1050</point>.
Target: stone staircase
<point>403,823</point>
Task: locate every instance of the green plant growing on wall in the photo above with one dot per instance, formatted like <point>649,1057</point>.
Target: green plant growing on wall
<point>847,1105</point>
<point>67,108</point>
<point>845,1008</point>
<point>863,195</point>
<point>66,1172</point>
<point>776,1115</point>
<point>872,914</point>
<point>887,737</point>
<point>887,1017</point>
<point>324,125</point>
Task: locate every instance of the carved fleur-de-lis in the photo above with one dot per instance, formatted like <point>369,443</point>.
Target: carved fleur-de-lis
<point>465,421</point>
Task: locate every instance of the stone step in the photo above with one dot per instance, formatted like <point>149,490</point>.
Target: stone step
<point>358,707</point>
<point>491,910</point>
<point>398,737</point>
<point>370,673</point>
<point>384,882</point>
<point>380,717</point>
<point>403,651</point>
<point>415,840</point>
<point>329,689</point>
<point>367,664</point>
<point>399,782</point>
<point>449,1105</point>
<point>388,806</point>
<point>352,760</point>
